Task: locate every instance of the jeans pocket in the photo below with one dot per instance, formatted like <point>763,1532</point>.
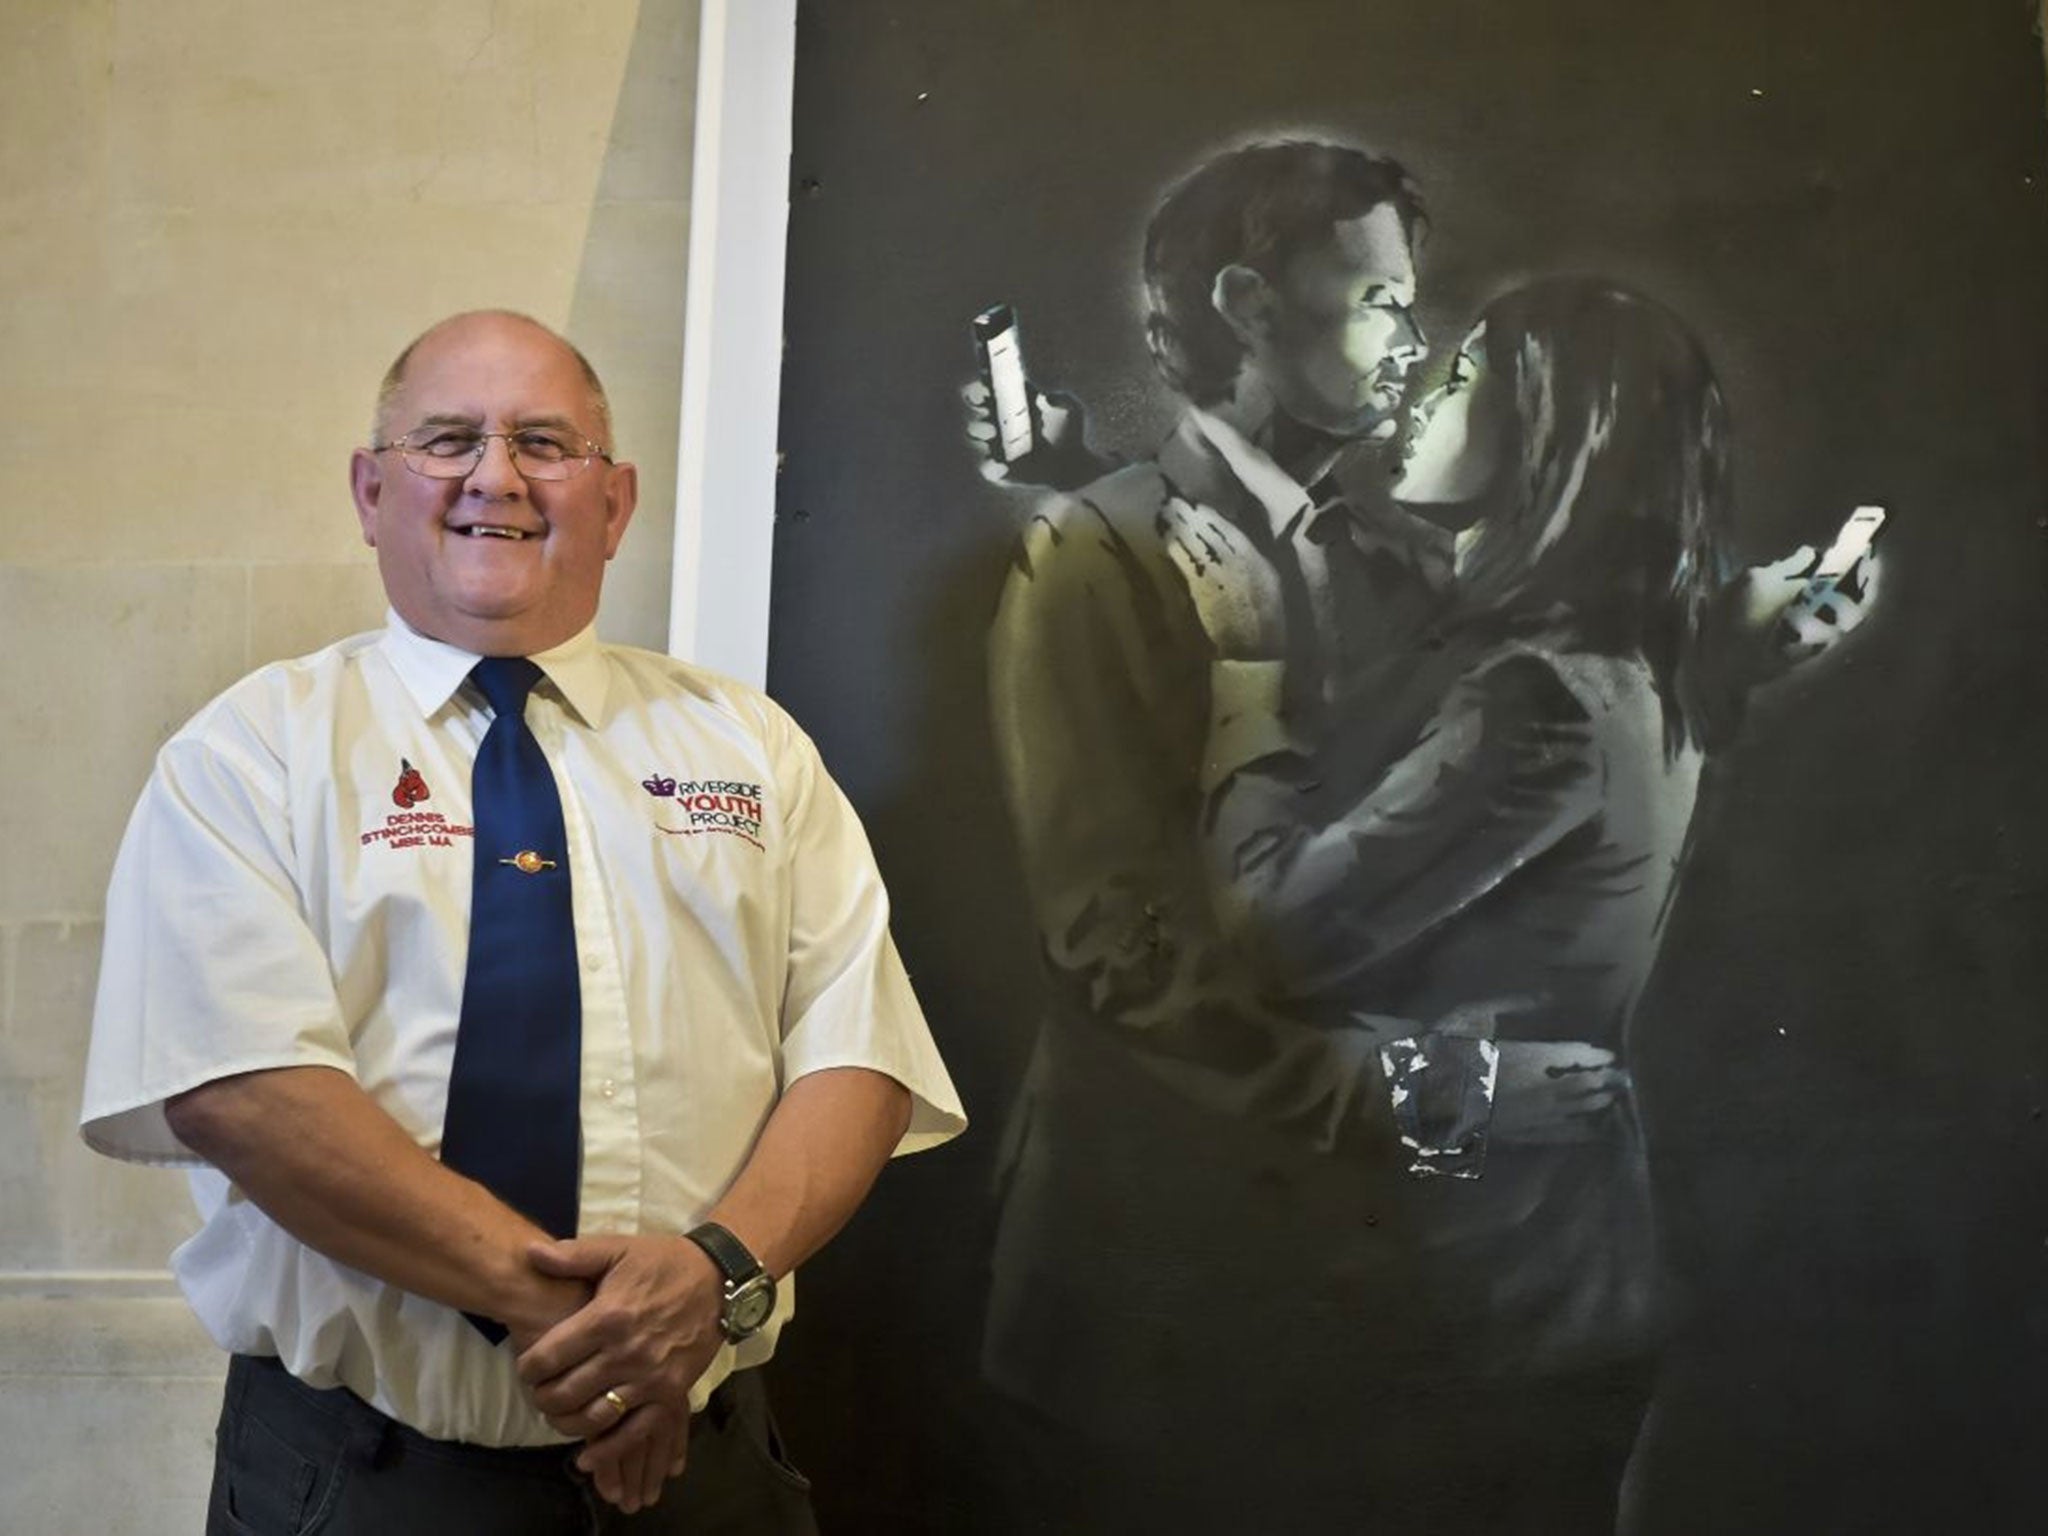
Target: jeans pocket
<point>753,1422</point>
<point>267,1486</point>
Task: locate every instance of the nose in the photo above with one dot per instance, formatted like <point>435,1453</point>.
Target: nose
<point>494,476</point>
<point>1408,333</point>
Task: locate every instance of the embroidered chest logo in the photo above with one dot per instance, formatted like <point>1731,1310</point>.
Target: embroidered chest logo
<point>710,805</point>
<point>410,789</point>
<point>409,828</point>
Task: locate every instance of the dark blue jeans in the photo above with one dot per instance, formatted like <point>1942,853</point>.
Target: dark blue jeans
<point>293,1460</point>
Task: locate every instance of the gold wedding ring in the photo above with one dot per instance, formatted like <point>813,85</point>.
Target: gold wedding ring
<point>616,1401</point>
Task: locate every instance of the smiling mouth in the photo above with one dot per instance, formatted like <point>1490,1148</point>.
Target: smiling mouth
<point>494,531</point>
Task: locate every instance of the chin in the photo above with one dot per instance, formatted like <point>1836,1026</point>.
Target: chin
<point>1366,427</point>
<point>1375,419</point>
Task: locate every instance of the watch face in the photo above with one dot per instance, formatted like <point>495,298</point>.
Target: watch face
<point>750,1307</point>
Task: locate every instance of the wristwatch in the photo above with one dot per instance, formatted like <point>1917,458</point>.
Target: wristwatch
<point>749,1288</point>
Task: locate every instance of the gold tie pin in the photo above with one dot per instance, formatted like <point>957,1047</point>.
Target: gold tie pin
<point>527,862</point>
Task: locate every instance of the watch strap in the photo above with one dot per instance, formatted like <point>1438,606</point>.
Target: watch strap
<point>733,1258</point>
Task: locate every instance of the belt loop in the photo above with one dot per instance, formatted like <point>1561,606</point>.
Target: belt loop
<point>370,1435</point>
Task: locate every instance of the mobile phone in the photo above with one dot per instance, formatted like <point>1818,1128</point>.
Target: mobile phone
<point>1854,540</point>
<point>1002,370</point>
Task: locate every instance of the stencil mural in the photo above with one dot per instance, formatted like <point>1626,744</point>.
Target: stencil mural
<point>1350,817</point>
<point>1393,749</point>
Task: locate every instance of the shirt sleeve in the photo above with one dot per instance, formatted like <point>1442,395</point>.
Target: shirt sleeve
<point>848,1001</point>
<point>209,967</point>
<point>1100,689</point>
<point>1505,768</point>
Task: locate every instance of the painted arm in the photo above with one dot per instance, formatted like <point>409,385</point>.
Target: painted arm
<point>1504,770</point>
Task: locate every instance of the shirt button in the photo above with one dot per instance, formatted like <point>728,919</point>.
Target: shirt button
<point>609,1088</point>
<point>593,959</point>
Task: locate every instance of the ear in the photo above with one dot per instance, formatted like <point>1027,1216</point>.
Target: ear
<point>1243,297</point>
<point>366,484</point>
<point>621,497</point>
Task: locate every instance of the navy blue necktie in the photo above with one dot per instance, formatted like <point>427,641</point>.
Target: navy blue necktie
<point>512,1122</point>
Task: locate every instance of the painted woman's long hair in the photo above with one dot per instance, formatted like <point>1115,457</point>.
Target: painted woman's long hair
<point>1606,521</point>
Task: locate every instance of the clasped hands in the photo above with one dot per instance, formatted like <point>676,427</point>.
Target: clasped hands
<point>617,1370</point>
<point>1546,1092</point>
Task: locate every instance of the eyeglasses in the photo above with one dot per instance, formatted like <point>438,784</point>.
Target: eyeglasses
<point>453,453</point>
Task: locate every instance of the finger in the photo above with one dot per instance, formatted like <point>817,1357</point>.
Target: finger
<point>603,1468</point>
<point>573,1258</point>
<point>1581,1097</point>
<point>981,430</point>
<point>1183,559</point>
<point>975,393</point>
<point>1566,1060</point>
<point>635,1459</point>
<point>1486,1011</point>
<point>570,1343</point>
<point>1212,537</point>
<point>1221,532</point>
<point>608,1448</point>
<point>580,1390</point>
<point>654,1465</point>
<point>1808,635</point>
<point>606,1411</point>
<point>1795,565</point>
<point>643,1473</point>
<point>633,1480</point>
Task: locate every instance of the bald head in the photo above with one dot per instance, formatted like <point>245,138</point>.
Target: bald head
<point>452,331</point>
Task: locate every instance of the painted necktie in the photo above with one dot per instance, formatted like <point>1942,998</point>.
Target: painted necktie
<point>512,1121</point>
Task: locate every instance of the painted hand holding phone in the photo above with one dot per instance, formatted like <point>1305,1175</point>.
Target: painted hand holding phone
<point>1839,592</point>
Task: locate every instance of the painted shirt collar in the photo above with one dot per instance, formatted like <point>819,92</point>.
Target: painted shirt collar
<point>1272,487</point>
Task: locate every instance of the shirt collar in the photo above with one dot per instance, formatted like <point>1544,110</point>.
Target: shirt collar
<point>1278,492</point>
<point>432,670</point>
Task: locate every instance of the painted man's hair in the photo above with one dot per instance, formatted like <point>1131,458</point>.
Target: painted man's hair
<point>1258,207</point>
<point>1610,517</point>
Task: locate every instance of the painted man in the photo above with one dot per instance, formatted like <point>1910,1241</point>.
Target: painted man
<point>1189,1148</point>
<point>311,996</point>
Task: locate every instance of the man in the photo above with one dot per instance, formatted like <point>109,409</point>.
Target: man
<point>331,956</point>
